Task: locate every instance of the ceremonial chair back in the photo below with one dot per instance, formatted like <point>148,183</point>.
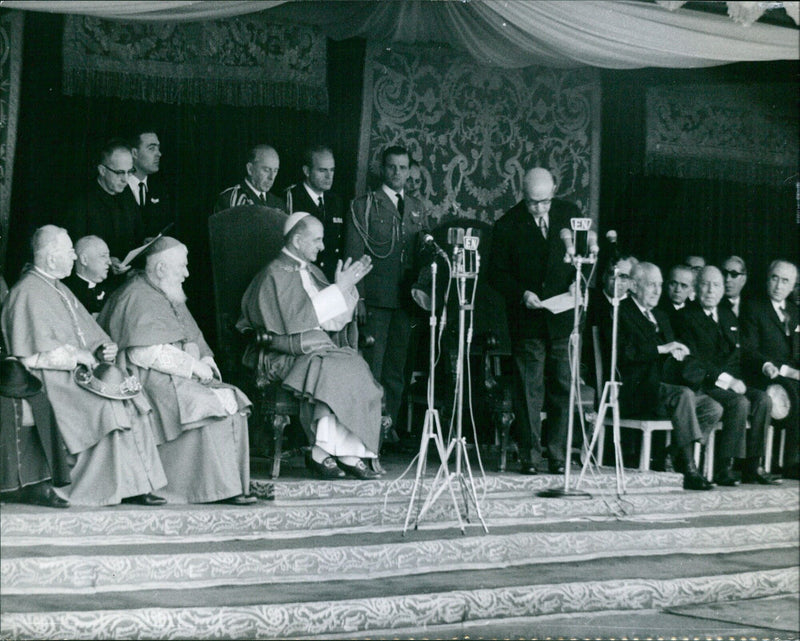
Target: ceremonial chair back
<point>242,240</point>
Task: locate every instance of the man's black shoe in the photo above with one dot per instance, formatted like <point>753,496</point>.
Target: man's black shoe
<point>760,477</point>
<point>556,467</point>
<point>44,495</point>
<point>145,499</point>
<point>528,468</point>
<point>327,469</point>
<point>359,470</point>
<point>695,482</point>
<point>726,478</point>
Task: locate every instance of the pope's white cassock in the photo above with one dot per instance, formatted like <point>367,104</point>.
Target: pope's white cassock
<point>314,354</point>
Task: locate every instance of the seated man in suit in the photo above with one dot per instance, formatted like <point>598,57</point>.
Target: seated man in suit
<point>711,333</point>
<point>313,350</point>
<point>734,271</point>
<point>770,337</point>
<point>200,423</point>
<point>112,452</point>
<point>680,282</point>
<point>88,281</point>
<point>694,263</point>
<point>314,195</point>
<point>650,362</point>
<point>262,168</point>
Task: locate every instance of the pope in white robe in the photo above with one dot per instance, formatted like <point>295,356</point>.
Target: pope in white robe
<point>313,349</point>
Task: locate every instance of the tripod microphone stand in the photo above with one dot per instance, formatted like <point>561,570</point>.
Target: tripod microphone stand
<point>574,386</point>
<point>432,427</point>
<point>609,399</point>
<point>444,477</point>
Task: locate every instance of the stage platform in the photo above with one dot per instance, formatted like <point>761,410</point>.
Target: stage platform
<point>328,559</point>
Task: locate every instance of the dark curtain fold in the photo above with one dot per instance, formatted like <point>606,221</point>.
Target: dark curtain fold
<point>664,219</point>
<point>204,148</point>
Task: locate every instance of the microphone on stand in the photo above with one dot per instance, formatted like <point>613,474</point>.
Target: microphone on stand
<point>429,243</point>
<point>566,237</point>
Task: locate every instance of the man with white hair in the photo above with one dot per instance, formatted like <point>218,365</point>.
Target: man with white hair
<point>771,345</point>
<point>200,423</point>
<point>651,363</point>
<point>88,281</point>
<point>112,451</point>
<point>527,266</point>
<point>711,333</point>
<point>313,349</point>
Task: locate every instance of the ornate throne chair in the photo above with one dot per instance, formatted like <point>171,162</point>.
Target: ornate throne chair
<point>242,241</point>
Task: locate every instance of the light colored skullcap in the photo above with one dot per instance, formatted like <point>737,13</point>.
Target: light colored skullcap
<point>292,220</point>
<point>163,244</point>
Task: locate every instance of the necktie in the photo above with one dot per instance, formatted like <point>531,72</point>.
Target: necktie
<point>142,194</point>
<point>543,227</point>
<point>785,320</point>
<point>321,208</point>
<point>652,319</point>
<point>401,208</point>
<point>262,198</point>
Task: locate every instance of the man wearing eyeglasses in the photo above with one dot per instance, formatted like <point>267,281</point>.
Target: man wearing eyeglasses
<point>105,210</point>
<point>527,266</point>
<point>734,271</point>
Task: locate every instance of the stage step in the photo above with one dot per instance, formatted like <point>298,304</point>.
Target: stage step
<point>136,568</point>
<point>330,558</point>
<point>23,525</point>
<point>255,617</point>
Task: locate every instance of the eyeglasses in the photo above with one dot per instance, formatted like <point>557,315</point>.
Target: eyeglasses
<point>733,273</point>
<point>535,203</point>
<point>121,172</point>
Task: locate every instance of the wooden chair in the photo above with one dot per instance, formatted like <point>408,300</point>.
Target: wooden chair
<point>242,241</point>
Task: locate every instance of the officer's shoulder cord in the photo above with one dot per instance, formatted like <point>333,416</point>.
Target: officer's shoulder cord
<point>370,243</point>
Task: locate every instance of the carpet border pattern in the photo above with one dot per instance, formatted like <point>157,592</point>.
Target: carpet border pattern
<point>358,615</point>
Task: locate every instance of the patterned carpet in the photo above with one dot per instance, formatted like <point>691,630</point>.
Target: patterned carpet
<point>331,559</point>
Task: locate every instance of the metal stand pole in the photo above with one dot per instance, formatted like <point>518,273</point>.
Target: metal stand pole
<point>432,428</point>
<point>444,478</point>
<point>609,399</point>
<point>574,387</point>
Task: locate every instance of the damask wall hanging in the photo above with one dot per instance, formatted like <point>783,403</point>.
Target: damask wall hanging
<point>10,63</point>
<point>745,133</point>
<point>243,61</point>
<point>475,130</point>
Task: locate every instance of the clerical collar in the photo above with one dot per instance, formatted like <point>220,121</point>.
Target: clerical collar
<point>44,273</point>
<point>90,283</point>
<point>314,195</point>
<point>391,192</point>
<point>261,194</point>
<point>303,263</point>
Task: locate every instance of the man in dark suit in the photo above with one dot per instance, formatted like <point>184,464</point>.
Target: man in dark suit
<point>711,332</point>
<point>526,266</point>
<point>680,282</point>
<point>651,361</point>
<point>262,168</point>
<point>106,210</point>
<point>313,195</point>
<point>385,224</point>
<point>148,194</point>
<point>770,337</point>
<point>88,280</point>
<point>734,271</point>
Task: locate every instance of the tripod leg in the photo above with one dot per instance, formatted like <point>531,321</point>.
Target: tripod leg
<point>427,434</point>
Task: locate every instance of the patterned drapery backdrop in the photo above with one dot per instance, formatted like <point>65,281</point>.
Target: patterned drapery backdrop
<point>10,63</point>
<point>745,133</point>
<point>475,130</point>
<point>243,61</point>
